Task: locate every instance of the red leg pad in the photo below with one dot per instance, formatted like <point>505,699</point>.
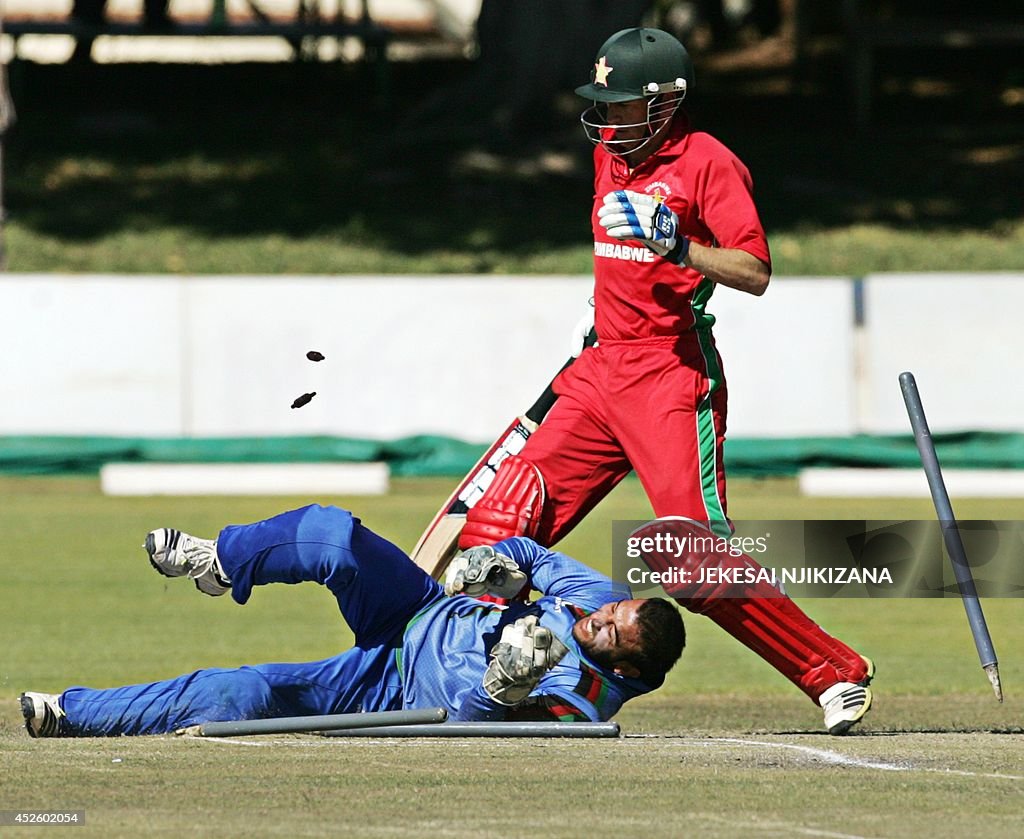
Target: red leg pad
<point>755,612</point>
<point>778,630</point>
<point>511,506</point>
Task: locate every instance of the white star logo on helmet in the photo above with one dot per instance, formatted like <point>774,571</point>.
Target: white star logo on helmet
<point>601,71</point>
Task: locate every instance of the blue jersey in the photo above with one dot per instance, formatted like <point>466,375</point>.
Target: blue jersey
<point>445,648</point>
<point>414,647</point>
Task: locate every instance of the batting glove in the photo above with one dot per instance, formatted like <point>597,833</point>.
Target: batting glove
<point>633,215</point>
<point>582,330</point>
<point>482,570</point>
<point>524,654</point>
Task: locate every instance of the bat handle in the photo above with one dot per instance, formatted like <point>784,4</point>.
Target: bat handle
<point>539,409</point>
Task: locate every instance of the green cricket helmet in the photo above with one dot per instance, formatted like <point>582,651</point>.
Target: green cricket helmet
<point>636,64</point>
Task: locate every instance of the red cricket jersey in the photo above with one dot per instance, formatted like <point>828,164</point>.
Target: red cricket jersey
<point>638,294</point>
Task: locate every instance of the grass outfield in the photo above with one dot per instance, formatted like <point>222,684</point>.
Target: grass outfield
<point>727,748</point>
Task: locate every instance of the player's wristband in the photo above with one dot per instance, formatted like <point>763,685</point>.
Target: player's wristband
<point>679,252</point>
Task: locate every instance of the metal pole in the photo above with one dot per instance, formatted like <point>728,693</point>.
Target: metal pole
<point>950,531</point>
<point>330,722</point>
<point>576,730</point>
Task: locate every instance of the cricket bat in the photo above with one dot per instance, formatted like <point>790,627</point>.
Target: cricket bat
<point>439,541</point>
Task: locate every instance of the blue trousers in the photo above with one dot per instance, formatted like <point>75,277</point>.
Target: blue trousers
<point>378,589</point>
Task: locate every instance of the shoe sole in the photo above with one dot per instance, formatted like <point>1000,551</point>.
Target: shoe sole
<point>150,547</point>
<point>840,728</point>
<point>28,711</point>
<point>49,725</point>
<point>172,544</point>
<point>870,674</point>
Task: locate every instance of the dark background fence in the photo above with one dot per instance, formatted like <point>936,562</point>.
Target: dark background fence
<point>402,154</point>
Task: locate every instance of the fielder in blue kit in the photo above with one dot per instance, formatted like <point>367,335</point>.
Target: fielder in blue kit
<point>589,646</point>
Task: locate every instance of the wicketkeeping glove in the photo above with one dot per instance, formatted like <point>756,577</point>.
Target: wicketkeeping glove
<point>634,215</point>
<point>525,652</point>
<point>482,570</point>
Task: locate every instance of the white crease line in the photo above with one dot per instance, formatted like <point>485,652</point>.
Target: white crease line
<point>803,831</point>
<point>228,740</point>
<point>773,826</point>
<point>327,742</point>
<point>836,757</point>
<point>305,742</point>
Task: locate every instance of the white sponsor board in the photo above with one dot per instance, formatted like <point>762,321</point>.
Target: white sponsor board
<point>461,355</point>
<point>91,355</point>
<point>960,335</point>
<point>789,357</point>
<point>224,356</point>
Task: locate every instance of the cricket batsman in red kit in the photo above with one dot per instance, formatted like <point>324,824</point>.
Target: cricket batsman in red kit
<point>673,218</point>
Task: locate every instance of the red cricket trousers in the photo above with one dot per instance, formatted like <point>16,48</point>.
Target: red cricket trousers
<point>655,405</point>
<point>658,405</point>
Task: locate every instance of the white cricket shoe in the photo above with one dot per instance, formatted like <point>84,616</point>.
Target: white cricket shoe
<point>177,554</point>
<point>846,703</point>
<point>43,715</point>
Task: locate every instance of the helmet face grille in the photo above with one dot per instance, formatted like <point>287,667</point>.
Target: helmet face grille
<point>596,125</point>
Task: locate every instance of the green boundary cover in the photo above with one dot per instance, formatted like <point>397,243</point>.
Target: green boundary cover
<point>426,455</point>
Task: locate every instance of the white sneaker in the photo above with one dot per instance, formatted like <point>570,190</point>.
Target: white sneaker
<point>43,715</point>
<point>176,554</point>
<point>846,703</point>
